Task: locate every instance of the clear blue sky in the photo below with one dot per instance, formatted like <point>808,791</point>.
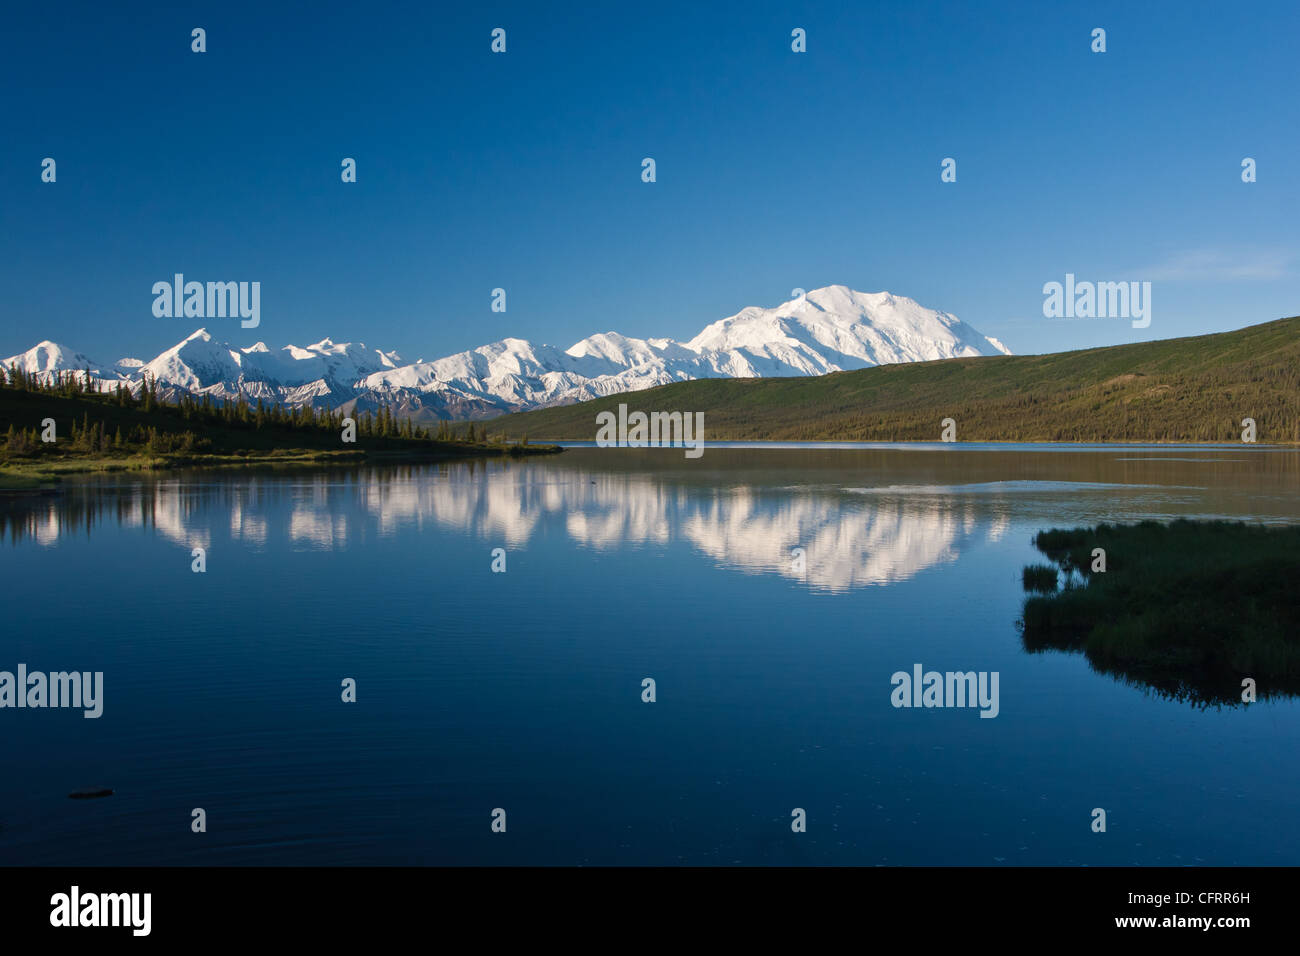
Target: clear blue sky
<point>522,170</point>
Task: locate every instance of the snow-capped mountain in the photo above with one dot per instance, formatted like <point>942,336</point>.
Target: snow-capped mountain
<point>46,357</point>
<point>828,330</point>
<point>835,329</point>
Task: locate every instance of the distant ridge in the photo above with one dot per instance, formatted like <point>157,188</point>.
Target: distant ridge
<point>1185,389</point>
<point>827,330</point>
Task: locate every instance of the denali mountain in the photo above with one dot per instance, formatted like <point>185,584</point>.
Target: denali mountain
<point>828,330</point>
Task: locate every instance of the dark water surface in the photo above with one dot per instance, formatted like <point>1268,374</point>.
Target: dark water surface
<point>522,690</point>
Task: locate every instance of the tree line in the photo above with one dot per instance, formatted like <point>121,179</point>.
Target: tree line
<point>189,415</point>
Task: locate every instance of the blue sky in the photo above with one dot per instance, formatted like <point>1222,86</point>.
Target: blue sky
<point>522,171</point>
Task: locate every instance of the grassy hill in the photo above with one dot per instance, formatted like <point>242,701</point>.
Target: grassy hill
<point>1188,389</point>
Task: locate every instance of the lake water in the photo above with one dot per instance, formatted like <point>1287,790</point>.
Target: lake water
<point>522,690</point>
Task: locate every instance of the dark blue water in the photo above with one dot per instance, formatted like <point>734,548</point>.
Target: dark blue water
<point>522,690</point>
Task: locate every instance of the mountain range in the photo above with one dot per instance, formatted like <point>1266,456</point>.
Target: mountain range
<point>827,330</point>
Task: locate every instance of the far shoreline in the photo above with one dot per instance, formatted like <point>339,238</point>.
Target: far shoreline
<point>41,478</point>
<point>969,445</point>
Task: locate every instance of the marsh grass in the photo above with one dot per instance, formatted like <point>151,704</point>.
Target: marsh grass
<point>1040,577</point>
<point>1189,608</point>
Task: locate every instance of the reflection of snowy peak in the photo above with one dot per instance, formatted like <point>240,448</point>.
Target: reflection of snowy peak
<point>849,542</point>
<point>828,330</point>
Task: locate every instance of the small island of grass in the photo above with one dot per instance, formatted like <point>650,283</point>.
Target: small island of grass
<point>1189,608</point>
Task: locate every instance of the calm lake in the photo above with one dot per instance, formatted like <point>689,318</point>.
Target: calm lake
<point>522,690</point>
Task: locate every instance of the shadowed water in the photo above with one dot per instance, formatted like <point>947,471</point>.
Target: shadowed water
<point>522,690</point>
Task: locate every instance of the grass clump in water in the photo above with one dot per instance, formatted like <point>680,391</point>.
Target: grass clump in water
<point>1190,608</point>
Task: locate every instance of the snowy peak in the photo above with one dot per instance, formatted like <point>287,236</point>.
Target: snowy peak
<point>47,356</point>
<point>836,328</point>
<point>827,330</point>
<point>195,363</point>
<point>614,348</point>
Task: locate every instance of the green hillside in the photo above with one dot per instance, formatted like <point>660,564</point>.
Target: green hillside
<point>1188,389</point>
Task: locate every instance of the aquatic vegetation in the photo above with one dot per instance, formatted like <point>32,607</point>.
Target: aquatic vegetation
<point>1191,608</point>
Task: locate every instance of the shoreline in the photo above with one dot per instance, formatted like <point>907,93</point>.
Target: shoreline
<point>39,478</point>
<point>764,443</point>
